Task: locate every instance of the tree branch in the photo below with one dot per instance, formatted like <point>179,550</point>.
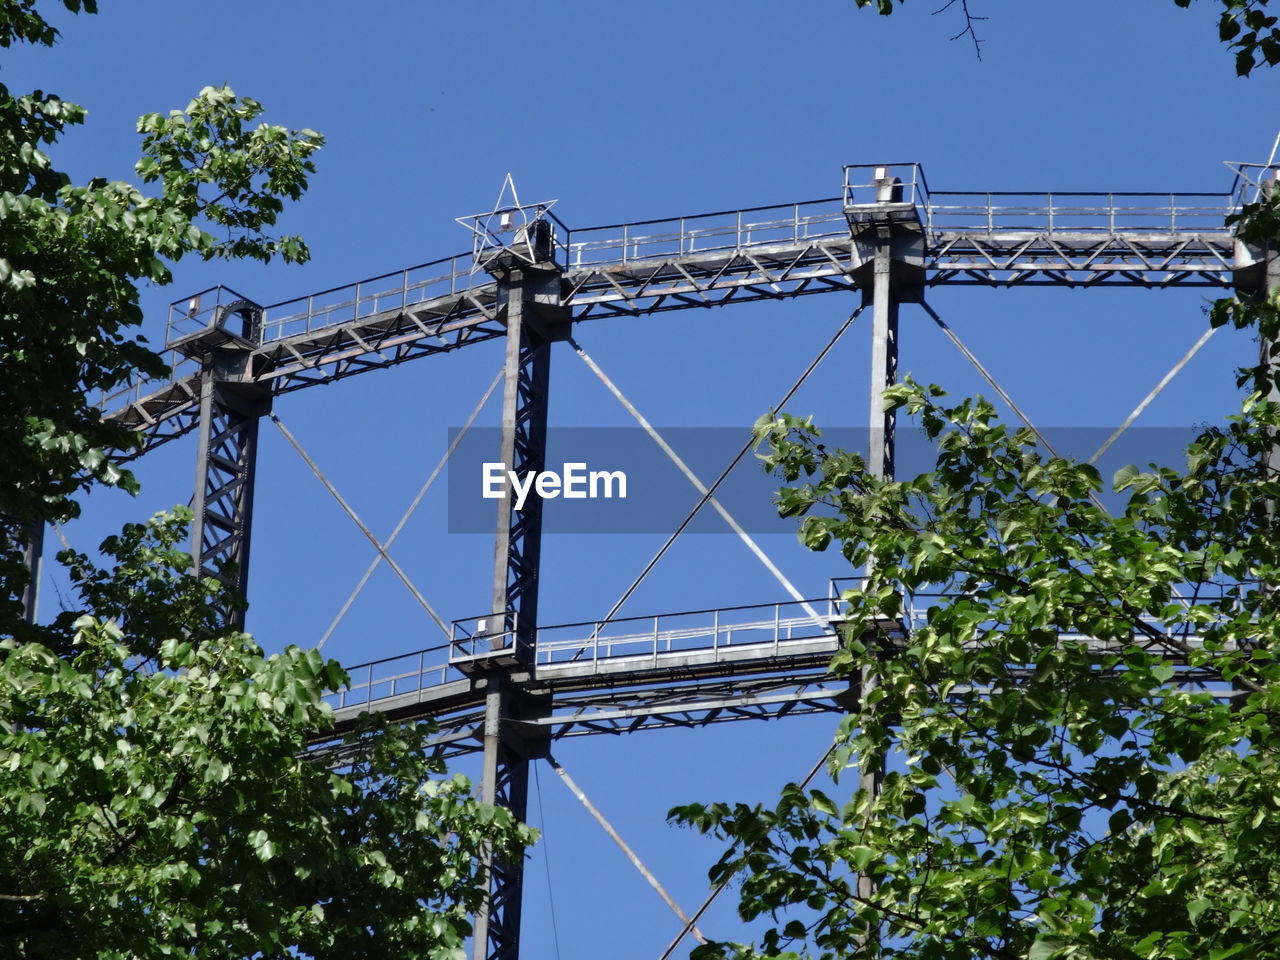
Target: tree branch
<point>969,20</point>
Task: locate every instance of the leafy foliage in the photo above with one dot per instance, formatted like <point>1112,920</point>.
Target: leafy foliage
<point>159,799</point>
<point>1078,712</point>
<point>1247,29</point>
<point>157,793</point>
<point>71,257</point>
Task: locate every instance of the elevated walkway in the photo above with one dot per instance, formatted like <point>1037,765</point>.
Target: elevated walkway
<point>773,252</point>
<point>672,670</point>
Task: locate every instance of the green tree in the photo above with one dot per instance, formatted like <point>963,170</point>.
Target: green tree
<point>1081,733</point>
<point>1055,786</point>
<point>155,793</point>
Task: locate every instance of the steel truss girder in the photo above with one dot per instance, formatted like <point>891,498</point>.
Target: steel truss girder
<point>332,353</point>
<point>381,341</point>
<point>633,702</point>
<point>690,705</point>
<point>703,279</point>
<point>1014,259</point>
<point>803,688</point>
<point>170,412</point>
<point>708,280</point>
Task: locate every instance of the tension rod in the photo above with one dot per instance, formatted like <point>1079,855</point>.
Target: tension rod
<point>328,485</point>
<point>662,552</point>
<point>995,385</point>
<point>1155,392</point>
<point>373,564</point>
<point>690,923</point>
<point>692,477</point>
<point>719,888</point>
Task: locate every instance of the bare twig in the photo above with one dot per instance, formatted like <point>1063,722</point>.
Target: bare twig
<point>969,21</point>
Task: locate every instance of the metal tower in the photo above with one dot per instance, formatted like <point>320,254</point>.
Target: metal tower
<point>508,686</point>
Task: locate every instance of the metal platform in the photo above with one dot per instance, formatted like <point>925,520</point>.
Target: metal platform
<point>683,669</point>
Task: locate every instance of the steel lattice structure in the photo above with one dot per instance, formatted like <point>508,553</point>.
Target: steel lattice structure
<point>507,686</point>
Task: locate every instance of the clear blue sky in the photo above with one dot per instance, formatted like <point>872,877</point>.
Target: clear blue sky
<point>629,112</point>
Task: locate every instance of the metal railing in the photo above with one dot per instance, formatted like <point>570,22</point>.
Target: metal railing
<point>364,299</point>
<point>1078,213</point>
<point>872,183</point>
<point>180,367</point>
<point>482,636</point>
<point>200,312</point>
<point>728,231</point>
<point>393,677</point>
<point>1249,177</point>
<point>765,628</point>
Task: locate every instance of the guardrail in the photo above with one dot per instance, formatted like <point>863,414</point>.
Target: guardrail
<point>871,183</point>
<point>1247,185</point>
<point>767,630</point>
<point>363,299</point>
<point>772,625</point>
<point>620,244</point>
<point>1078,212</point>
<point>393,677</point>
<point>482,636</point>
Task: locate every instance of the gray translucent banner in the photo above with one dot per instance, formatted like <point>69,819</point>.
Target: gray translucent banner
<point>590,468</point>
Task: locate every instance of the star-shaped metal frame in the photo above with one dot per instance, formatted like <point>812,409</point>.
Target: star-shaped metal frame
<point>503,227</point>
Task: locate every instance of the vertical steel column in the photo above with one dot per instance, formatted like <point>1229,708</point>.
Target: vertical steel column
<point>526,288</point>
<point>504,783</point>
<point>230,409</point>
<point>884,356</point>
<point>517,547</point>
<point>880,449</point>
<point>888,235</point>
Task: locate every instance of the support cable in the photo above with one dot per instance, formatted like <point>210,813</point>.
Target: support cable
<point>546,860</point>
<point>1044,441</point>
<point>404,578</point>
<point>1137,411</point>
<point>692,477</point>
<point>373,564</point>
<point>719,888</point>
<point>690,923</point>
<point>727,470</point>
<point>995,385</point>
<point>62,537</point>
